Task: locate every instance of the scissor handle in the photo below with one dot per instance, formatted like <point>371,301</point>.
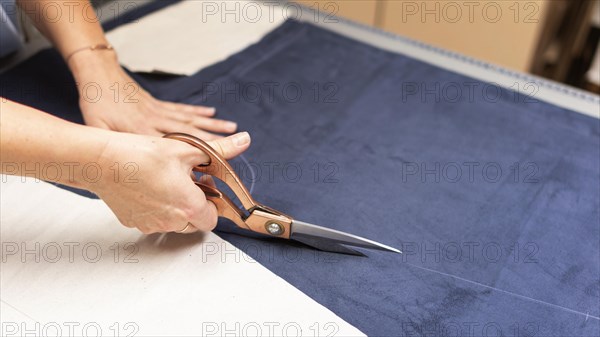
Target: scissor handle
<point>218,167</point>
<point>260,218</point>
<point>225,207</point>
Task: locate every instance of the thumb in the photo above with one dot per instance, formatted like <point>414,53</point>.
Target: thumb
<point>208,180</point>
<point>232,146</point>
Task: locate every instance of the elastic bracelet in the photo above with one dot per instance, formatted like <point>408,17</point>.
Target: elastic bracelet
<point>91,48</point>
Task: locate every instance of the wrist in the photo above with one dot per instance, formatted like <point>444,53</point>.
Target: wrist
<point>87,168</point>
<point>120,160</point>
<point>103,159</point>
<point>89,64</point>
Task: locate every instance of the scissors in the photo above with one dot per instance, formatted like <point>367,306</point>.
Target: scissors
<point>263,219</point>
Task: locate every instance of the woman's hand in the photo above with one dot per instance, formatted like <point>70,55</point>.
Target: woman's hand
<point>145,180</point>
<point>111,99</point>
<point>160,196</point>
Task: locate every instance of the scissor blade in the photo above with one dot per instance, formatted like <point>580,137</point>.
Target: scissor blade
<point>323,236</point>
<point>327,246</point>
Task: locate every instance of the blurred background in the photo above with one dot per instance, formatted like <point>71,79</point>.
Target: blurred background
<point>555,39</point>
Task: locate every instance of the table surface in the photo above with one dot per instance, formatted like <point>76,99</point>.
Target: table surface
<point>79,265</point>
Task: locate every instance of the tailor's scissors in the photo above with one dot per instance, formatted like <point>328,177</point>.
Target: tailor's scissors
<point>265,220</point>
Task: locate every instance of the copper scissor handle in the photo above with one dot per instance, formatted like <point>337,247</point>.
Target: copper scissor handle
<point>225,207</point>
<point>218,167</point>
<point>259,216</point>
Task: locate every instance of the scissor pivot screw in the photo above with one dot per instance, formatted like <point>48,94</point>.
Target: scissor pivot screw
<point>274,228</point>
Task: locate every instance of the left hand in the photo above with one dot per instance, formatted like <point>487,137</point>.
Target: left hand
<point>111,99</point>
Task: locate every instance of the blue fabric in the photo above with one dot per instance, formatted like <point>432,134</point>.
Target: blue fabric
<point>533,267</point>
<point>486,253</point>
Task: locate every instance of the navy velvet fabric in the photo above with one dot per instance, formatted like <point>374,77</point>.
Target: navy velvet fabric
<point>493,195</point>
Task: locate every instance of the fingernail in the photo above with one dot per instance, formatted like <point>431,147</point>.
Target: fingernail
<point>231,126</point>
<point>211,110</point>
<point>241,139</point>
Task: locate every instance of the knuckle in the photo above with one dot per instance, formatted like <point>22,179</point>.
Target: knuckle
<point>200,215</point>
<point>218,146</point>
<point>146,230</point>
<point>211,223</point>
<point>128,223</point>
<point>190,212</point>
<point>163,227</point>
<point>208,219</point>
<point>186,119</point>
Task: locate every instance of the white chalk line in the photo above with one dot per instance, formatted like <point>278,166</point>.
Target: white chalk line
<point>252,173</point>
<point>586,315</point>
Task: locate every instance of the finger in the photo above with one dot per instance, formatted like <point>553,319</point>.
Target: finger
<point>205,135</point>
<point>152,132</point>
<point>208,180</point>
<point>127,223</point>
<point>214,125</point>
<point>206,219</point>
<point>197,109</point>
<point>201,122</point>
<point>179,226</point>
<point>188,229</point>
<point>231,146</point>
<point>168,126</point>
<point>145,229</point>
<point>179,116</point>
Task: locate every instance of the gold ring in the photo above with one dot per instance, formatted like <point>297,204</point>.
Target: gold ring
<point>185,228</point>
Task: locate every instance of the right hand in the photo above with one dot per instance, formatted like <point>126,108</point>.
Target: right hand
<point>160,196</point>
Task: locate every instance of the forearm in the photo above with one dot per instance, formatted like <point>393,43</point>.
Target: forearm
<point>69,25</point>
<point>36,144</point>
<point>157,196</point>
<point>72,25</point>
